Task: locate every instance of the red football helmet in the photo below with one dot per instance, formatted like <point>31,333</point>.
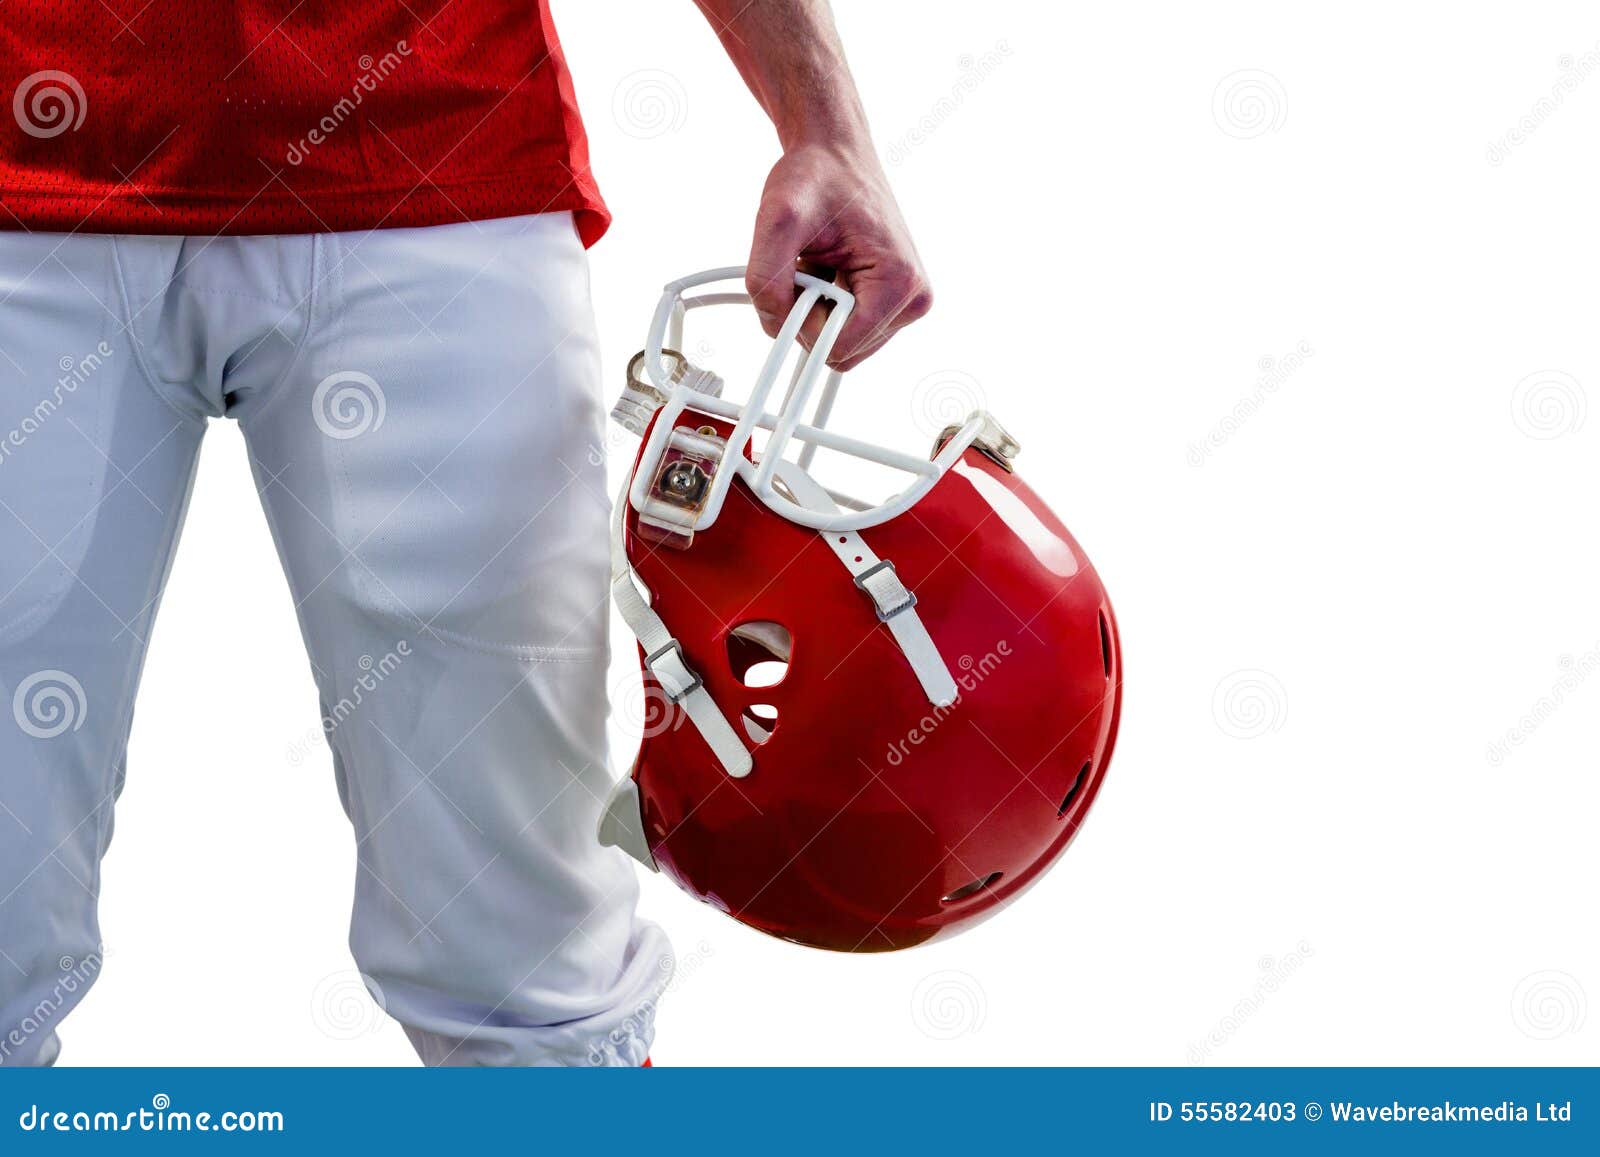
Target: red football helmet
<point>950,673</point>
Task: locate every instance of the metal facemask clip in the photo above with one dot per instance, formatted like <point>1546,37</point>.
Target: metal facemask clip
<point>991,440</point>
<point>677,494</point>
<point>641,398</point>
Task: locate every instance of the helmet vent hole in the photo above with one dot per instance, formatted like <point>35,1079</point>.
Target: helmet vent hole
<point>1105,642</point>
<point>1072,792</point>
<point>966,891</point>
<point>760,720</point>
<point>759,653</point>
<point>765,674</point>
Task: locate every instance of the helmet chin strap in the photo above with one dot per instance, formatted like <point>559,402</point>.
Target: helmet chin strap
<point>895,604</point>
<point>664,657</point>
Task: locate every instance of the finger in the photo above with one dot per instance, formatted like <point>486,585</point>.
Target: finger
<point>811,328</point>
<point>782,231</point>
<point>863,352</point>
<point>883,306</point>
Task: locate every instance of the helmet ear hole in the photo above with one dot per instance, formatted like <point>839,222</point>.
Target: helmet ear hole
<point>760,720</point>
<point>759,653</point>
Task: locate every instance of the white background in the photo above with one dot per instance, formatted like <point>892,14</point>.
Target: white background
<point>1374,569</point>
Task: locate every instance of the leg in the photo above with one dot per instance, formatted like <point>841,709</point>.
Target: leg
<point>431,478</point>
<point>94,479</point>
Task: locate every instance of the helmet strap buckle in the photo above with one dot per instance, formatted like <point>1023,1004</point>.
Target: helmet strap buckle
<point>672,671</point>
<point>890,596</point>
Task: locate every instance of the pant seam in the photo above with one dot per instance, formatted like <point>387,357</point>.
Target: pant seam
<point>141,362</point>
<point>313,301</point>
<point>523,652</point>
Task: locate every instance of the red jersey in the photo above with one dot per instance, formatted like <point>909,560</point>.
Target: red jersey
<point>278,116</point>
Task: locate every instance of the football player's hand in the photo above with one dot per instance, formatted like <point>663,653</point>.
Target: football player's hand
<point>827,209</point>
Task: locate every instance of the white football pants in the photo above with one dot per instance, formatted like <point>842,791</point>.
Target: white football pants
<point>422,414</point>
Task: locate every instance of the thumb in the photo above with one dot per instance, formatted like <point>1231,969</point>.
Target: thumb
<point>782,233</point>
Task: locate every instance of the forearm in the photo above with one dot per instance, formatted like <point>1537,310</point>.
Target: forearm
<point>789,54</point>
<point>826,203</point>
